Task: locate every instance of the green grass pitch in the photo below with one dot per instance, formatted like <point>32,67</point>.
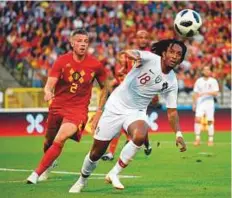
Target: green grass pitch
<point>200,172</point>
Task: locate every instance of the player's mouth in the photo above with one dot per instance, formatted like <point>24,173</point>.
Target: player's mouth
<point>172,62</point>
<point>82,49</point>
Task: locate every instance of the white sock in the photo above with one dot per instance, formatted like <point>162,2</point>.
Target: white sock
<point>211,132</point>
<point>87,168</point>
<point>197,130</point>
<point>126,155</point>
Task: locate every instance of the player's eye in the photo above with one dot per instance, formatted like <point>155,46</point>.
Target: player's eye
<point>77,41</point>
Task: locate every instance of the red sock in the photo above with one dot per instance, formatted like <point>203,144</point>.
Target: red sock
<point>51,154</point>
<point>113,145</point>
<point>46,146</point>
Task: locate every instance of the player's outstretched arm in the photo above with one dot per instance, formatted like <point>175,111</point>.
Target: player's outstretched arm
<point>49,87</point>
<point>122,60</point>
<point>173,119</point>
<point>133,55</point>
<point>195,96</point>
<point>103,97</point>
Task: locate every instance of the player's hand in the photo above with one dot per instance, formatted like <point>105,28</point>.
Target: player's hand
<point>94,120</point>
<point>202,94</point>
<point>131,55</point>
<point>134,56</point>
<point>180,142</point>
<point>48,95</point>
<point>138,63</point>
<point>122,72</point>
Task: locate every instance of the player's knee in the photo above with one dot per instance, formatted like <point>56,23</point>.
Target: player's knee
<point>61,139</point>
<point>139,138</point>
<point>95,155</point>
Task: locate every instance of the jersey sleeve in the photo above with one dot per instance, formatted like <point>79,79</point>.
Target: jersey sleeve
<point>56,69</point>
<point>144,55</point>
<point>215,85</point>
<point>101,73</point>
<point>196,86</point>
<point>170,98</point>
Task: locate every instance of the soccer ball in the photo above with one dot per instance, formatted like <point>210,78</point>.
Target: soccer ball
<point>187,23</point>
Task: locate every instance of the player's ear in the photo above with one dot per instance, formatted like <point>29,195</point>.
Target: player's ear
<point>164,54</point>
<point>71,41</point>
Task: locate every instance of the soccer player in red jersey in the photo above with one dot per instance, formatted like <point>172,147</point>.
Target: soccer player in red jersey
<point>69,88</point>
<point>142,41</point>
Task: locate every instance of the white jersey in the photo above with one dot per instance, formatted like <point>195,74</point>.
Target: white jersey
<point>142,84</point>
<point>203,86</point>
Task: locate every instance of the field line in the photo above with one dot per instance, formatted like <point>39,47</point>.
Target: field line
<point>50,179</point>
<point>65,173</point>
<point>167,142</point>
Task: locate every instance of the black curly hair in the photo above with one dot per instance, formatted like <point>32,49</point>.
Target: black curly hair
<point>162,46</point>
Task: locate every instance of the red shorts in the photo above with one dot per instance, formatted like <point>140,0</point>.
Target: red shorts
<point>56,119</point>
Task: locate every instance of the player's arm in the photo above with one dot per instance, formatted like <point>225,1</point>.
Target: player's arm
<point>195,96</point>
<point>49,88</point>
<point>122,60</point>
<point>212,93</point>
<point>104,91</point>
<point>173,117</point>
<point>105,87</point>
<point>131,54</point>
<point>53,77</point>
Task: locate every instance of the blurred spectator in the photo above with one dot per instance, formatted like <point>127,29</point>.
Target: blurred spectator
<point>38,32</point>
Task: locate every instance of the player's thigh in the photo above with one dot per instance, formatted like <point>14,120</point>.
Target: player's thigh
<point>53,125</point>
<point>109,126</point>
<point>200,111</point>
<point>71,127</point>
<point>136,122</point>
<point>66,130</point>
<point>75,132</point>
<point>209,112</point>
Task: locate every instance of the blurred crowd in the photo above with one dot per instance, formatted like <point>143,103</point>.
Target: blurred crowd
<point>34,33</point>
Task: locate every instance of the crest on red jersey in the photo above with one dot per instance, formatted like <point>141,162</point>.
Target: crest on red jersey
<point>76,76</point>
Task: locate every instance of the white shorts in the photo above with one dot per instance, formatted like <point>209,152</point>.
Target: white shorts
<point>110,124</point>
<point>207,110</point>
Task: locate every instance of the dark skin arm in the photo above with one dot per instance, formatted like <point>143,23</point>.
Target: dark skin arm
<point>173,119</point>
<point>103,97</point>
<point>131,55</point>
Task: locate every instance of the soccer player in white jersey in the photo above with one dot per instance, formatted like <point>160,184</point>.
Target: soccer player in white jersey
<point>126,107</point>
<point>205,89</point>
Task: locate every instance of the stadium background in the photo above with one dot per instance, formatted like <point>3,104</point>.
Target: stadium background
<point>33,34</point>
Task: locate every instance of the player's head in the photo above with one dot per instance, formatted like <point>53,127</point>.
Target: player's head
<point>79,41</point>
<point>142,39</point>
<point>206,71</point>
<point>172,51</point>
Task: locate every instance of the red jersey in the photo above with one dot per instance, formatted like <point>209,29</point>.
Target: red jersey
<point>74,87</point>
